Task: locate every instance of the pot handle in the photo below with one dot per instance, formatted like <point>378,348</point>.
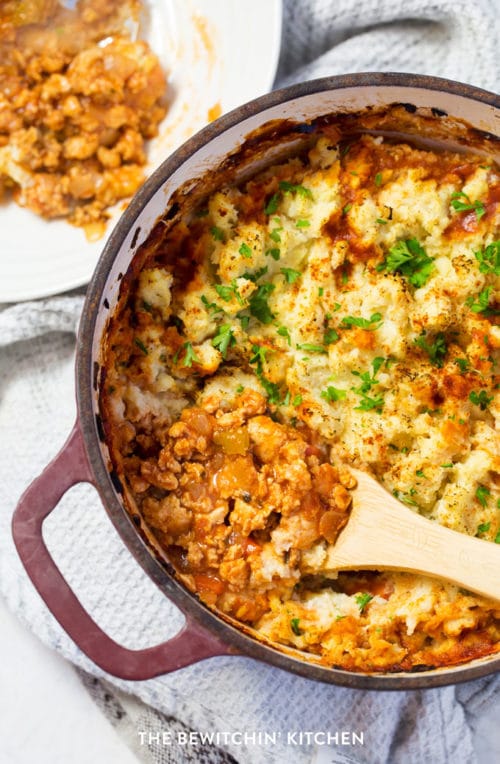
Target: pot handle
<point>192,644</point>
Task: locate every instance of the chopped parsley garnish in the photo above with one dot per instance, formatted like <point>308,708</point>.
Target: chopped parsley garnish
<point>447,465</point>
<point>302,223</point>
<point>212,307</point>
<point>294,625</point>
<point>420,473</point>
<point>259,307</point>
<point>481,399</point>
<point>146,306</point>
<point>371,323</point>
<point>224,339</point>
<point>333,394</point>
<point>189,355</point>
<point>381,221</point>
<point>321,291</point>
<point>378,179</point>
<point>463,364</point>
<point>489,259</point>
<point>272,204</point>
<point>311,348</point>
<point>362,600</point>
<point>483,528</point>
<point>273,252</point>
<point>259,354</point>
<point>409,258</point>
<point>370,404</point>
<point>290,188</point>
<point>217,233</point>
<point>275,235</point>
<point>256,275</point>
<point>244,319</point>
<point>140,344</point>
<point>367,381</point>
<point>482,494</point>
<point>228,292</point>
<point>435,350</point>
<point>330,336</point>
<point>283,332</point>
<point>271,388</point>
<point>481,306</point>
<point>464,206</point>
<point>297,400</point>
<point>346,209</point>
<point>291,275</point>
<point>240,389</point>
<point>245,250</point>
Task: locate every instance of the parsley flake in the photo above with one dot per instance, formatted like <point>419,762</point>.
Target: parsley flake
<point>464,206</point>
<point>481,399</point>
<point>302,223</point>
<point>435,350</point>
<point>333,394</point>
<point>481,306</point>
<point>409,258</point>
<point>372,323</point>
<point>245,250</point>
<point>362,600</point>
<point>217,233</point>
<point>311,348</point>
<point>330,336</point>
<point>290,275</point>
<point>140,344</point>
<point>224,339</point>
<point>463,364</point>
<point>370,404</point>
<point>259,307</point>
<point>489,259</point>
<point>272,204</point>
<point>189,356</point>
<point>482,494</point>
<point>482,528</point>
<point>290,188</point>
<point>283,332</point>
<point>294,625</point>
<point>212,307</point>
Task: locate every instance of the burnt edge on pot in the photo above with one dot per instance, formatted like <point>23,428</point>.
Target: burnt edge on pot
<point>470,138</point>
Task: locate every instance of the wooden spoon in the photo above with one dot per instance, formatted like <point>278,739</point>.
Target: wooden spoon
<point>383,534</point>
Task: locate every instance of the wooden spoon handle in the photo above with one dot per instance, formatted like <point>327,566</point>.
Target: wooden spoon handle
<point>390,536</point>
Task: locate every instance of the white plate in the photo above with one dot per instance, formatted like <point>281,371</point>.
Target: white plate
<point>220,53</point>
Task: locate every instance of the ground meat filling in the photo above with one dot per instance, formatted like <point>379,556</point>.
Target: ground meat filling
<point>79,98</point>
<point>235,497</point>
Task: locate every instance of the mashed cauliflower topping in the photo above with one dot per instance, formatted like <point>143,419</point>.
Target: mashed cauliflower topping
<point>338,309</point>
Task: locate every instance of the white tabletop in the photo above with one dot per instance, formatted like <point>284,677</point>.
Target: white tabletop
<point>46,715</point>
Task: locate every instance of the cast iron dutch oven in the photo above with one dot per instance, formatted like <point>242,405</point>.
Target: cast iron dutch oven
<point>84,456</point>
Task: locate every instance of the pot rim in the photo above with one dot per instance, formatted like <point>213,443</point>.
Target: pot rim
<point>244,645</point>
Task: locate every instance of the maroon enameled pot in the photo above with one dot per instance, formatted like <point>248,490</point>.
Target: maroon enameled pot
<point>84,457</point>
